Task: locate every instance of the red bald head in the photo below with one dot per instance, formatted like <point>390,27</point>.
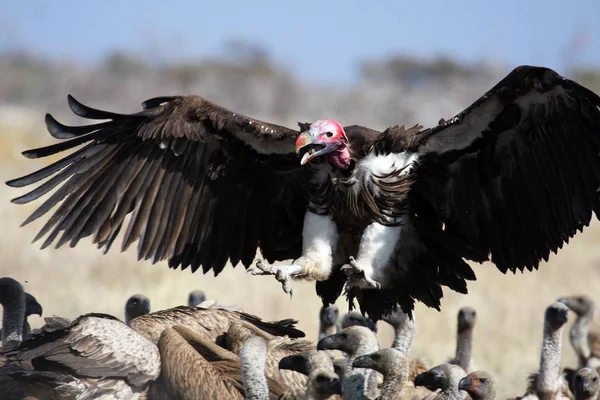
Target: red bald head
<point>324,137</point>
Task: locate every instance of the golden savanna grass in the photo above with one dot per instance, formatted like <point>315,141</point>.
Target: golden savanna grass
<point>72,281</point>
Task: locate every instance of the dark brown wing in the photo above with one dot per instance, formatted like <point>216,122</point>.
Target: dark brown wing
<point>513,176</point>
<point>203,185</point>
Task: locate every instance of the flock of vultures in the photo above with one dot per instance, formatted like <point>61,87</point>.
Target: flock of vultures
<point>208,351</point>
<point>388,218</point>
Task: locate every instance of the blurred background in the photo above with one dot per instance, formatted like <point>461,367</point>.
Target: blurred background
<point>369,63</point>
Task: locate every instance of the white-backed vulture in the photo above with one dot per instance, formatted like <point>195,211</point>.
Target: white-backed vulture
<point>194,367</point>
<point>32,307</point>
<point>509,180</point>
<point>479,385</point>
<point>354,318</point>
<point>136,305</point>
<point>404,332</point>
<point>97,354</point>
<point>584,340</point>
<point>278,348</point>
<point>467,317</point>
<point>323,384</point>
<point>12,298</point>
<point>393,365</point>
<point>548,383</point>
<point>328,318</point>
<point>307,361</point>
<point>445,378</point>
<point>355,341</point>
<point>196,297</point>
<point>586,384</point>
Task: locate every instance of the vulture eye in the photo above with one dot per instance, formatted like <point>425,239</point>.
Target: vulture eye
<point>482,380</point>
<point>329,134</point>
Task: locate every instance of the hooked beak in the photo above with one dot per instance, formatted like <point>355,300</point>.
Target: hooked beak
<point>362,362</point>
<point>464,384</point>
<point>294,362</point>
<point>306,142</point>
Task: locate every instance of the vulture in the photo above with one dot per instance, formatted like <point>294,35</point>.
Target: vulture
<point>386,217</point>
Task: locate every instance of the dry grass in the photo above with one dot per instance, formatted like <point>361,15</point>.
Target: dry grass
<point>70,282</point>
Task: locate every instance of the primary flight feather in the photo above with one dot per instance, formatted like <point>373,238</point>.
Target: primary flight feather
<point>388,216</point>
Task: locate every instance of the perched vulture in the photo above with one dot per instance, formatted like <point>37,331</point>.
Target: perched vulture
<point>388,216</point>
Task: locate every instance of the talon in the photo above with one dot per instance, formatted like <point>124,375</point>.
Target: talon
<point>356,277</point>
<point>282,273</point>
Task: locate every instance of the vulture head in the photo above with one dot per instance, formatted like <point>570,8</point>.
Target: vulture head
<point>354,318</point>
<point>479,385</point>
<point>324,137</point>
<point>323,383</point>
<point>32,306</point>
<point>329,315</point>
<point>580,305</point>
<point>466,318</point>
<point>351,340</point>
<point>136,305</point>
<point>586,383</point>
<point>557,314</point>
<point>196,297</point>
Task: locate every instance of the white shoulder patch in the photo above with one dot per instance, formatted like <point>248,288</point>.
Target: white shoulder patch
<point>384,164</point>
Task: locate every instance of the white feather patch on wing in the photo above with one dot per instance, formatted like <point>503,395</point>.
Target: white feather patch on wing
<point>377,245</point>
<point>384,164</point>
<point>319,239</point>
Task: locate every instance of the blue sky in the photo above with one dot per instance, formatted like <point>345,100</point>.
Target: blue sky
<point>318,40</point>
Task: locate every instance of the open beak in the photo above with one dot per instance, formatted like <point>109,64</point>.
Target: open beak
<point>303,140</point>
<point>311,148</point>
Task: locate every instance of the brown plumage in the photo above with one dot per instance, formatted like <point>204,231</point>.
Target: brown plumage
<point>393,365</point>
<point>211,323</point>
<point>479,385</point>
<point>278,348</point>
<point>510,179</point>
<point>97,354</point>
<point>196,368</point>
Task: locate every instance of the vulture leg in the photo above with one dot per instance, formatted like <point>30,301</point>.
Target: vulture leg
<point>377,245</point>
<point>282,273</point>
<point>357,278</point>
<point>319,238</point>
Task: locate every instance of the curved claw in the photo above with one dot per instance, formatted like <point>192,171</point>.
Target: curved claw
<point>357,277</point>
<point>282,273</point>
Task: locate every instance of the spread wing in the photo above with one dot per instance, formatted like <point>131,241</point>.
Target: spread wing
<point>511,178</point>
<point>202,185</point>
